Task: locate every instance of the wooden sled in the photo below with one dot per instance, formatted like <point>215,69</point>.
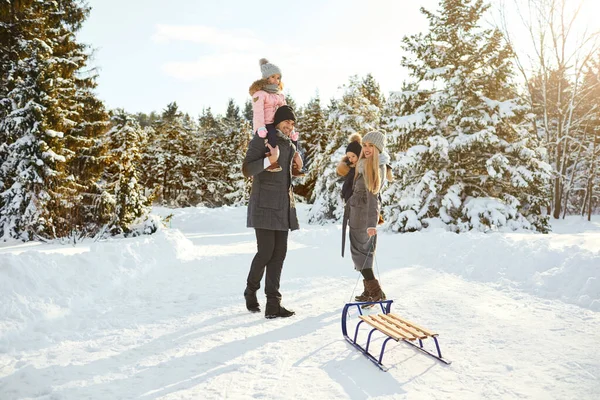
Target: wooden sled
<point>391,325</point>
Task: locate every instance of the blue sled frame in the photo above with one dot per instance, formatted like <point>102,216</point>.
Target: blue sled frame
<point>386,306</point>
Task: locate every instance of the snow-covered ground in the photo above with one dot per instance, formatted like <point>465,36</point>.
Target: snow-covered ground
<point>163,317</point>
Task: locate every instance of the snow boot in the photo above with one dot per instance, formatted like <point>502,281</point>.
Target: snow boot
<point>276,310</point>
<point>365,294</point>
<point>251,301</point>
<point>375,292</point>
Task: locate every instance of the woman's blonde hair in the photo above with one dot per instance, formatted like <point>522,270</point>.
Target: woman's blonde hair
<point>371,172</point>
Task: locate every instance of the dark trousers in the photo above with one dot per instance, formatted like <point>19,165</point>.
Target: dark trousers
<point>272,249</point>
<point>271,135</point>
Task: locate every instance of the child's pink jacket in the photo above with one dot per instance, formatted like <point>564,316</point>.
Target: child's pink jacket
<point>264,104</point>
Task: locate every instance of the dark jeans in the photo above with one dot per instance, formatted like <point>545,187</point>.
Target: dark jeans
<point>272,249</point>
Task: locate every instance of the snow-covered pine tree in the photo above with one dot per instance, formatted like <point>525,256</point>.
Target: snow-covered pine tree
<point>83,115</point>
<point>123,198</point>
<point>149,153</point>
<point>218,161</point>
<point>172,158</point>
<point>248,113</point>
<point>292,103</point>
<point>41,81</point>
<point>353,113</point>
<point>238,132</point>
<point>404,102</point>
<point>473,160</point>
<point>314,138</point>
<point>372,91</point>
<point>146,120</point>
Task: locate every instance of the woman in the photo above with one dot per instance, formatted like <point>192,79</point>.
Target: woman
<point>271,212</point>
<point>363,211</point>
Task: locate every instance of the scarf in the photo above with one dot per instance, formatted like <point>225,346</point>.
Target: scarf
<point>270,88</point>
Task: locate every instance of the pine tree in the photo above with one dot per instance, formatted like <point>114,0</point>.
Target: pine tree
<point>353,113</point>
<point>124,197</point>
<point>237,134</point>
<point>314,138</point>
<point>172,157</point>
<point>398,103</point>
<point>292,103</point>
<point>146,120</point>
<point>45,96</point>
<point>248,113</point>
<point>371,90</point>
<point>217,155</point>
<point>473,160</point>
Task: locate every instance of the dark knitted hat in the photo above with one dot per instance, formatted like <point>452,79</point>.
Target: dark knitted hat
<point>284,113</point>
<point>355,144</point>
<point>354,147</point>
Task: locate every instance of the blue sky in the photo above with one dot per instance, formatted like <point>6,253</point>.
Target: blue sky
<point>201,53</point>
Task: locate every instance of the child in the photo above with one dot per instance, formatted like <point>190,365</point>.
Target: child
<point>347,165</point>
<point>266,99</point>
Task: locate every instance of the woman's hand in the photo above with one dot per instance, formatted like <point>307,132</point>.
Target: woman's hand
<point>372,231</point>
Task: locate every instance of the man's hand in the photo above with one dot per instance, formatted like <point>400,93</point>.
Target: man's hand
<point>274,153</point>
<point>372,231</point>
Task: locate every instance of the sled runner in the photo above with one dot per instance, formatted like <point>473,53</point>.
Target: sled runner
<point>391,325</point>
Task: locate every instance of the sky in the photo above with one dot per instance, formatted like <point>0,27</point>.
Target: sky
<point>202,53</point>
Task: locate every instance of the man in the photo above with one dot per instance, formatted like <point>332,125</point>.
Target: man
<point>271,212</point>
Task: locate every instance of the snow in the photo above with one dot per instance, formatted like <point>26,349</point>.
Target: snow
<point>162,316</point>
<point>53,133</point>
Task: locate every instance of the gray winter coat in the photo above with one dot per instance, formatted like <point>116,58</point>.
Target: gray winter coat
<point>271,205</point>
<point>363,205</point>
<point>362,209</point>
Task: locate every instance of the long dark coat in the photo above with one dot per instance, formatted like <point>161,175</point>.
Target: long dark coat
<point>271,205</point>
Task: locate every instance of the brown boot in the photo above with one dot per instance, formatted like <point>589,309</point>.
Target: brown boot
<point>375,292</point>
<point>365,294</point>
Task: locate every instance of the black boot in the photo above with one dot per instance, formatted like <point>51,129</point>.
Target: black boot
<point>251,301</point>
<point>276,310</point>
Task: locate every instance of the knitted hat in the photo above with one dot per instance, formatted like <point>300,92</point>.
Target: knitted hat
<point>377,138</point>
<point>354,146</point>
<point>284,113</point>
<point>267,69</point>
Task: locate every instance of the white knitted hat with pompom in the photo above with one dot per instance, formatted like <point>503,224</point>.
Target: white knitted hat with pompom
<point>267,69</point>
